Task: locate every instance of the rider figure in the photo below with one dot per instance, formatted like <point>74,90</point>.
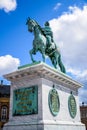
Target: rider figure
<point>48,33</point>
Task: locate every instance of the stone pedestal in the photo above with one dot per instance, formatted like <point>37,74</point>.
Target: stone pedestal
<point>43,99</point>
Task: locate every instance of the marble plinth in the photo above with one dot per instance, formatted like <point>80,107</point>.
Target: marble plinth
<point>47,117</point>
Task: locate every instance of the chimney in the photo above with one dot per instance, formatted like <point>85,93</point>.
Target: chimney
<point>82,103</point>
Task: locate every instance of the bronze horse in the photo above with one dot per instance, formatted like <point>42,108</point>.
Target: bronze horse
<point>39,44</point>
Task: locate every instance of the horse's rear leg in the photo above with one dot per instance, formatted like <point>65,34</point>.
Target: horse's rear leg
<point>32,52</point>
<point>62,68</point>
<point>42,51</point>
<point>43,56</point>
<point>54,62</point>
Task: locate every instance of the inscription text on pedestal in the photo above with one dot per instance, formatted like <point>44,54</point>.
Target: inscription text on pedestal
<point>72,106</point>
<point>25,101</point>
<point>54,103</point>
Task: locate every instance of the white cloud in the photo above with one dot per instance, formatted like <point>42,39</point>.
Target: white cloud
<point>71,30</point>
<point>8,64</point>
<point>78,73</point>
<point>70,34</point>
<point>57,6</point>
<point>8,5</point>
<point>83,95</point>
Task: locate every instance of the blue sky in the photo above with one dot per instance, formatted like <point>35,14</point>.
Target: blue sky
<point>68,20</point>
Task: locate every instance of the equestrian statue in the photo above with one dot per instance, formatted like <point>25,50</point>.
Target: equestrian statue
<point>44,43</point>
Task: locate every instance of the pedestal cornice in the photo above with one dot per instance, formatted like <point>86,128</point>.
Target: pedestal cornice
<point>44,71</point>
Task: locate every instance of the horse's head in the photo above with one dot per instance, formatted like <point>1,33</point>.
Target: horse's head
<point>31,24</point>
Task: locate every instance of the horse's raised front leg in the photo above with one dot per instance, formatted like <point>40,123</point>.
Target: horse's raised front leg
<point>31,54</point>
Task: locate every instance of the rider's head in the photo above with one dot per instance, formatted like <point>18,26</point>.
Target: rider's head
<point>47,23</point>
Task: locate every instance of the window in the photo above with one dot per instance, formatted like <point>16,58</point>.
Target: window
<point>83,114</point>
<point>4,113</point>
<point>86,113</point>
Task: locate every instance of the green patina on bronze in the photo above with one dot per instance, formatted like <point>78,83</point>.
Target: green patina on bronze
<point>44,43</point>
<point>25,101</point>
<point>72,106</point>
<point>28,65</point>
<point>54,103</point>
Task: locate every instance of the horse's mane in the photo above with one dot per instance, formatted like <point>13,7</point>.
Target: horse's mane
<point>40,28</point>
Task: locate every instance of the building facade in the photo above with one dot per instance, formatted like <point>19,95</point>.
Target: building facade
<point>4,103</point>
<point>83,110</point>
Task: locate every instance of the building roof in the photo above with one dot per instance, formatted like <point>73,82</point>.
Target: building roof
<point>83,107</point>
<point>4,90</point>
